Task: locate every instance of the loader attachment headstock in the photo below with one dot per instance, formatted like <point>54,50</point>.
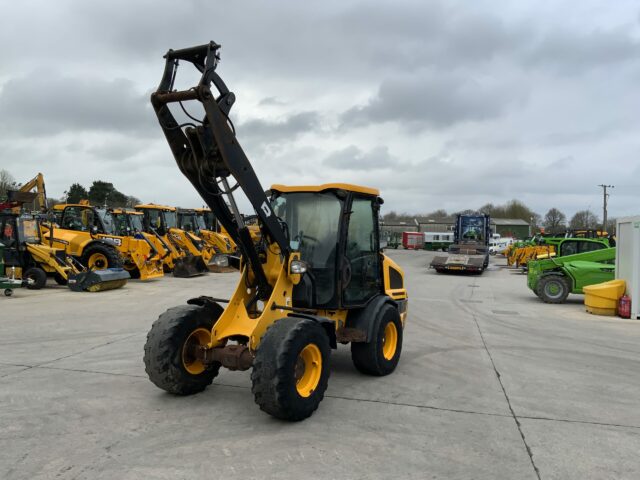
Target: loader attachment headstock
<point>208,153</point>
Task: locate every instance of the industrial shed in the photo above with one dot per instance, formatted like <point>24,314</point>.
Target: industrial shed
<point>511,227</point>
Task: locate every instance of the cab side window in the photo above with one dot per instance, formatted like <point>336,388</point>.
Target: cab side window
<point>361,253</point>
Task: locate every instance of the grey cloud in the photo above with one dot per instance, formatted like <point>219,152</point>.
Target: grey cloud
<point>573,53</point>
<point>59,104</point>
<point>272,101</point>
<point>353,158</point>
<point>436,101</point>
<point>281,130</point>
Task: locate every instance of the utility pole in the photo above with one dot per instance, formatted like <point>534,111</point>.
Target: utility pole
<point>604,205</point>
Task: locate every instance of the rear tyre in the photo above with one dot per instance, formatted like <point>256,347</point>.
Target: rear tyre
<point>8,292</point>
<point>553,289</point>
<point>380,356</point>
<point>291,369</point>
<point>35,278</point>
<point>169,354</point>
<point>99,257</point>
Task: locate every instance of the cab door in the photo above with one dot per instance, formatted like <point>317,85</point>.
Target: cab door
<point>361,278</point>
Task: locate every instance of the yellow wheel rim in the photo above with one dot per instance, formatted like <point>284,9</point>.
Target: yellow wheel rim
<point>308,370</point>
<point>98,261</point>
<point>198,338</point>
<point>389,341</point>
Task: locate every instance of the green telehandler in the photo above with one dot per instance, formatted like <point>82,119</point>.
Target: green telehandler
<point>553,279</point>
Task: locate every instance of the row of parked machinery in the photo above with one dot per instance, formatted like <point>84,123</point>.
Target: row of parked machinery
<point>90,248</point>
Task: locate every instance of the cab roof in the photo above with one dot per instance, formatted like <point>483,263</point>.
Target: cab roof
<point>126,212</point>
<point>62,206</point>
<point>326,186</point>
<point>153,206</point>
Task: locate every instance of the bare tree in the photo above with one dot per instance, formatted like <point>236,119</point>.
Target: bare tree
<point>555,221</point>
<point>584,220</point>
<point>7,182</point>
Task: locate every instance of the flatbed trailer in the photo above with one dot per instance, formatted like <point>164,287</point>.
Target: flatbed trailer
<point>470,250</point>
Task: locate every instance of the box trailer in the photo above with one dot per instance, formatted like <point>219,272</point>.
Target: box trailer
<point>412,240</point>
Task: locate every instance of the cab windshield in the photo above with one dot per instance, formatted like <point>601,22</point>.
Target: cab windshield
<point>473,228</point>
<point>188,222</point>
<point>135,222</point>
<point>170,219</point>
<point>107,221</point>
<point>200,223</point>
<point>29,231</point>
<point>312,221</point>
<point>207,219</point>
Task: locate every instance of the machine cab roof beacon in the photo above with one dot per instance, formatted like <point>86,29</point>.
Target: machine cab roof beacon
<point>316,278</point>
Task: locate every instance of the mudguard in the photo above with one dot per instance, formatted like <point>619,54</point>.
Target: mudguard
<point>327,324</point>
<point>364,319</point>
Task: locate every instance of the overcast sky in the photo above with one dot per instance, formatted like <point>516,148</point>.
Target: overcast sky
<point>439,104</point>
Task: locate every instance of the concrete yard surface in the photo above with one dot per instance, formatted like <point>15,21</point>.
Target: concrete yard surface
<point>492,384</point>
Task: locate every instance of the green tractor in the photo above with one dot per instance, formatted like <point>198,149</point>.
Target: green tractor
<point>553,279</point>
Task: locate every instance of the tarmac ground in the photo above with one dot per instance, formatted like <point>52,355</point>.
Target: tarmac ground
<point>492,384</point>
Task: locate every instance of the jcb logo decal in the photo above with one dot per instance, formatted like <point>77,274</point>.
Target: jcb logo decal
<point>117,241</point>
<point>265,208</point>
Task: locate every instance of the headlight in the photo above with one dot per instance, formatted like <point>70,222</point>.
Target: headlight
<point>221,260</point>
<point>298,267</point>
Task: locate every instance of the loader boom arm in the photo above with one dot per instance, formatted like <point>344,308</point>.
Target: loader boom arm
<point>208,153</point>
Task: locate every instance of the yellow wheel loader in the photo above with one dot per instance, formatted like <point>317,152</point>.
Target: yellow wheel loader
<point>89,234</point>
<point>32,261</point>
<point>317,279</point>
<point>191,257</point>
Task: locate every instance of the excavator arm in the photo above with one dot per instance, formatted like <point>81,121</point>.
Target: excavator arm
<point>36,182</point>
<point>208,153</point>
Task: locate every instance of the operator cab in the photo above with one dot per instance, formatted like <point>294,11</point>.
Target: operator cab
<point>335,229</point>
<point>158,218</point>
<point>16,231</point>
<point>85,218</point>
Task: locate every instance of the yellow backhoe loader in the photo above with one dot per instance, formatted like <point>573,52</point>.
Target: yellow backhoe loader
<point>191,256</point>
<point>211,224</point>
<point>28,258</point>
<point>317,279</point>
<point>134,220</point>
<point>192,221</point>
<point>88,233</point>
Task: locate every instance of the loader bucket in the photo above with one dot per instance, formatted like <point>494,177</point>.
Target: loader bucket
<point>189,266</point>
<point>98,280</point>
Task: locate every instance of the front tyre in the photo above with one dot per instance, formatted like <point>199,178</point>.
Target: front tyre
<point>169,354</point>
<point>35,278</point>
<point>380,356</point>
<point>99,257</point>
<point>291,369</point>
<point>553,289</point>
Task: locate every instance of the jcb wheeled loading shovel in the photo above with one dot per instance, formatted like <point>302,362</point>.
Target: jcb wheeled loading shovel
<point>304,287</point>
